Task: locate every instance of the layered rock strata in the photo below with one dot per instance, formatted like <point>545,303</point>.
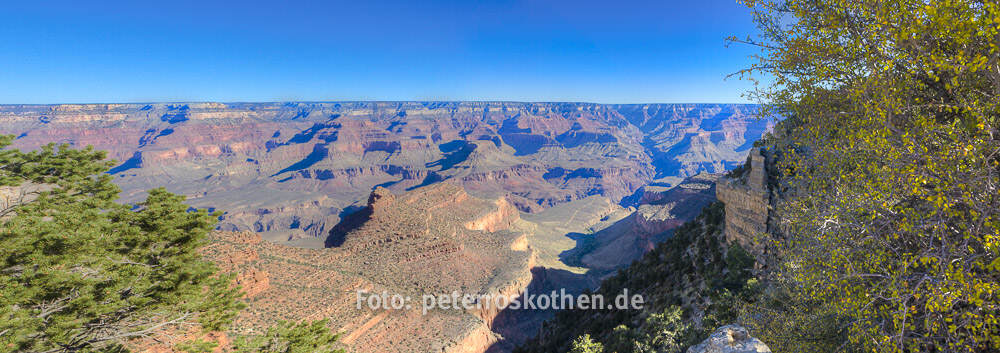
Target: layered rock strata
<point>431,240</point>
<point>290,171</point>
<point>747,204</point>
<point>652,221</point>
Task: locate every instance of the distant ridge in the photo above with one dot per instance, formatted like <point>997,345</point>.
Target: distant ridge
<point>291,170</point>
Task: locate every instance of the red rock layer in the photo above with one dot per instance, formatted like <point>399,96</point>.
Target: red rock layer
<point>289,170</point>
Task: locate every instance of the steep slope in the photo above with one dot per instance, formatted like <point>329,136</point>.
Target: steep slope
<point>694,270</point>
<point>703,271</point>
<point>428,241</point>
<point>580,242</point>
<point>289,171</point>
<point>659,212</point>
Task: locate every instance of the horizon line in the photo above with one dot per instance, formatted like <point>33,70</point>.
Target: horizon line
<point>371,101</point>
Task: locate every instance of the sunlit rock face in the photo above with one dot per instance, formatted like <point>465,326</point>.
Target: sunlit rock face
<point>730,339</point>
<point>428,241</point>
<point>747,200</point>
<point>291,171</point>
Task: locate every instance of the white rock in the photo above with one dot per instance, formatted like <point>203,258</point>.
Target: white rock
<point>730,339</point>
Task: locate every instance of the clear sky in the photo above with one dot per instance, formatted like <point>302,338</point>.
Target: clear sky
<point>609,51</point>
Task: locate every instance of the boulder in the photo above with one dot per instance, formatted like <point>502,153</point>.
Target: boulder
<point>730,339</point>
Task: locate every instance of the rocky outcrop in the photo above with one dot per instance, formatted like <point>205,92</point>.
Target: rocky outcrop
<point>730,339</point>
<point>414,243</point>
<point>252,282</point>
<point>747,204</point>
<point>290,171</point>
<point>650,219</point>
<point>626,240</point>
<point>661,210</point>
<point>13,196</point>
<point>440,224</point>
<point>681,271</point>
<point>501,218</point>
<point>477,341</point>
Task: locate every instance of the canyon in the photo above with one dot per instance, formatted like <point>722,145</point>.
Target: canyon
<point>425,242</point>
<point>317,201</point>
<point>291,171</point>
<point>437,240</point>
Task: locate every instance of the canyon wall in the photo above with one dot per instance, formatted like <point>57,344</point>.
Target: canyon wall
<point>660,212</point>
<point>422,242</point>
<point>417,197</point>
<point>747,204</point>
<point>291,171</point>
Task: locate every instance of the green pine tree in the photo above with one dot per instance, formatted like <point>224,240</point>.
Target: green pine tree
<point>80,272</point>
<point>288,337</point>
<point>584,344</point>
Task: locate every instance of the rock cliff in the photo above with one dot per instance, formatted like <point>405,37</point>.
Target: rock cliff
<point>747,203</point>
<point>419,242</point>
<point>628,239</point>
<point>290,171</point>
<point>414,198</point>
<point>701,267</point>
<point>694,268</point>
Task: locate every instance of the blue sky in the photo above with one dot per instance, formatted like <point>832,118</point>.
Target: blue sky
<point>522,50</point>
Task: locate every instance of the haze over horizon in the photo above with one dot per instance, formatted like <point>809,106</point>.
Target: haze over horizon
<point>556,51</point>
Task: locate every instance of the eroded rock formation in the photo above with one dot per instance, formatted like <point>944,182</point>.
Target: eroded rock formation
<point>747,201</point>
<point>416,243</point>
<point>450,181</point>
<point>290,171</point>
<point>628,239</point>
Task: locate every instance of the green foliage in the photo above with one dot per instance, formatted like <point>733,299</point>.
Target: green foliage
<point>662,332</point>
<point>289,337</point>
<point>695,262</point>
<point>80,272</point>
<point>739,265</point>
<point>740,172</point>
<point>792,325</point>
<point>584,344</point>
<point>196,346</point>
<point>893,224</point>
<point>622,339</point>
